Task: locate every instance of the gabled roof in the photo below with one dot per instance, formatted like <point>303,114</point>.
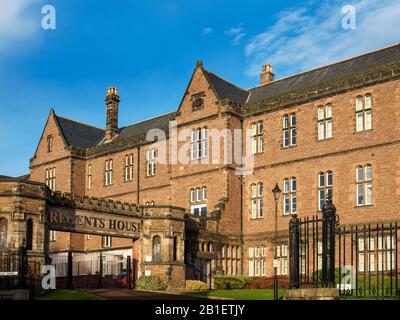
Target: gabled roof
<point>326,74</point>
<point>79,134</point>
<point>227,90</point>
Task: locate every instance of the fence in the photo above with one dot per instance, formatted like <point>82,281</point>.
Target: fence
<point>96,273</point>
<point>359,261</point>
<point>16,271</point>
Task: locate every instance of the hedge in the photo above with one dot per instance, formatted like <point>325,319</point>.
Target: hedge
<point>241,282</point>
<point>151,283</point>
<point>195,285</point>
<point>231,282</point>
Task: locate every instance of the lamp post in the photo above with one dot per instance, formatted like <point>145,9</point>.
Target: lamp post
<point>277,193</point>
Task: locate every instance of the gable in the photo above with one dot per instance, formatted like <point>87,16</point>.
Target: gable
<point>198,88</point>
<point>52,129</point>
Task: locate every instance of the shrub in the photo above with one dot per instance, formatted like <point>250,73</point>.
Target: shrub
<point>267,283</point>
<point>151,283</point>
<point>231,282</point>
<point>195,285</point>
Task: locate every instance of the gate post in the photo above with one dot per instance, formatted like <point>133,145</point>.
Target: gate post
<point>294,255</point>
<point>101,271</point>
<point>22,265</point>
<point>328,242</point>
<point>128,272</point>
<point>69,271</point>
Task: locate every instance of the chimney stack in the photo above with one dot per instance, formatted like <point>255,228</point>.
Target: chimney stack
<point>266,74</point>
<point>112,103</point>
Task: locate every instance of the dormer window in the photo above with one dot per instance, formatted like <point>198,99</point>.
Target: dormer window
<point>49,143</point>
<point>198,101</point>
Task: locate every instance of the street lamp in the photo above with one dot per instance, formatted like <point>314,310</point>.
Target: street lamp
<point>277,193</point>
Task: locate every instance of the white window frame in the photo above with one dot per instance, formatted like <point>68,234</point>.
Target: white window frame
<point>151,160</point>
<point>108,173</point>
<point>325,122</point>
<point>106,241</point>
<point>129,167</point>
<point>290,196</point>
<point>199,144</point>
<point>363,109</point>
<point>89,176</point>
<point>364,189</point>
<point>289,137</point>
<point>50,178</point>
<point>257,201</point>
<point>324,187</point>
<point>257,137</point>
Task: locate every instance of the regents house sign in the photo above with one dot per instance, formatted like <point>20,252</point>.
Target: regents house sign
<point>93,222</point>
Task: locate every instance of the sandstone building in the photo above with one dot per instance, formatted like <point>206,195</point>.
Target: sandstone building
<point>331,128</point>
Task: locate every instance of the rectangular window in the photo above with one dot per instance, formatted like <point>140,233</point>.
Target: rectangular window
<point>364,113</point>
<point>89,177</point>
<point>364,185</point>
<point>289,130</point>
<point>257,137</point>
<point>50,178</point>
<point>108,172</point>
<point>53,236</point>
<point>325,124</point>
<point>151,162</point>
<point>129,168</point>
<point>50,143</point>
<point>282,257</point>
<point>325,181</point>
<point>290,196</point>
<point>106,241</point>
<point>199,144</point>
<point>257,201</point>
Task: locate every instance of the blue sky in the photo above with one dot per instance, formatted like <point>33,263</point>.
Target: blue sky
<point>148,49</point>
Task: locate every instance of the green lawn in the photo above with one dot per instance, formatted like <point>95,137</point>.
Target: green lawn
<point>68,295</point>
<point>243,294</point>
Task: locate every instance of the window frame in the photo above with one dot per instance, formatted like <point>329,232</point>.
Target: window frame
<point>289,129</point>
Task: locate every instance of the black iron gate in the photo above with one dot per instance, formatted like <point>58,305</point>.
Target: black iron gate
<point>16,270</point>
<point>359,261</point>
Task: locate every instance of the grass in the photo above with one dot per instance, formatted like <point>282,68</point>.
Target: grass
<point>60,294</point>
<point>242,294</point>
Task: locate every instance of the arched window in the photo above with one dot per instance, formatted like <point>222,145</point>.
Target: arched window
<point>29,234</point>
<point>3,233</point>
<point>156,248</point>
<point>210,247</point>
<point>175,250</point>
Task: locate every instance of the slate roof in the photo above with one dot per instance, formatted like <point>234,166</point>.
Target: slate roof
<point>227,90</point>
<point>141,128</point>
<point>78,134</point>
<point>326,74</point>
<point>84,136</point>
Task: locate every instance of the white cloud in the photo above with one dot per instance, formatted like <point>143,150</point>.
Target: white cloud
<point>303,38</point>
<point>17,21</point>
<point>206,31</point>
<point>237,33</point>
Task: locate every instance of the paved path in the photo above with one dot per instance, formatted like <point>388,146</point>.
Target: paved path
<point>121,294</point>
